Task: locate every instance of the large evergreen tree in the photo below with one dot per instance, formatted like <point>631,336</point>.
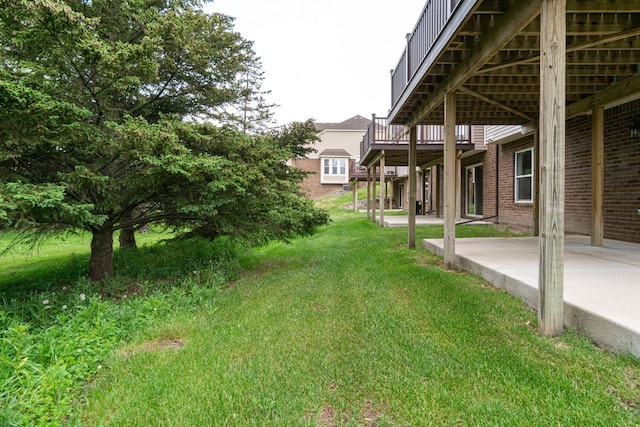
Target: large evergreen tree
<point>105,124</point>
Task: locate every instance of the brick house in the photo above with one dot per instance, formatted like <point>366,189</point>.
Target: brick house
<point>563,76</point>
<point>337,156</point>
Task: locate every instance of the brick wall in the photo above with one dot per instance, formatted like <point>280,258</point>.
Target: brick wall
<point>621,174</point>
<point>621,182</point>
<point>311,185</point>
<point>516,215</point>
<point>577,197</point>
<point>621,170</point>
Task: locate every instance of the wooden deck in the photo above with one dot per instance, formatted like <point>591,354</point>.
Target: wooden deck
<point>394,141</point>
<point>489,52</point>
<point>534,63</point>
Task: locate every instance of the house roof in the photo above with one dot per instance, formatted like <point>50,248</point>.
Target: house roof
<point>334,152</point>
<point>354,123</point>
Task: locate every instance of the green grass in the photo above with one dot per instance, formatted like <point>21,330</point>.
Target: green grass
<point>349,327</point>
<point>54,263</point>
<point>53,342</point>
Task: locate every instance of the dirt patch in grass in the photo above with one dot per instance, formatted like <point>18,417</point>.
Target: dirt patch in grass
<point>327,416</point>
<point>318,307</point>
<point>154,345</point>
<point>370,415</point>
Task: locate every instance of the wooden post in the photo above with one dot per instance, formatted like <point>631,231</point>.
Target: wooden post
<point>450,180</point>
<point>375,192</point>
<point>552,146</point>
<point>439,189</point>
<point>413,137</point>
<point>536,183</point>
<point>383,190</point>
<point>597,176</point>
<point>458,186</point>
<point>355,195</point>
<point>368,193</point>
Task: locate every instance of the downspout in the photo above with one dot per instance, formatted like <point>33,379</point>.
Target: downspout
<point>497,184</point>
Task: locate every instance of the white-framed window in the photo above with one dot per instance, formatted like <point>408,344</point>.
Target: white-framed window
<point>524,176</point>
<point>334,170</point>
<point>335,166</point>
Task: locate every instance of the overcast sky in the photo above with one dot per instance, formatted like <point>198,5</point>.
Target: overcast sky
<point>325,59</point>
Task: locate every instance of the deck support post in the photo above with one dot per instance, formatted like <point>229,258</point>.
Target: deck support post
<point>368,193</point>
<point>383,190</point>
<point>458,185</point>
<point>375,192</point>
<point>536,182</point>
<point>439,189</point>
<point>450,180</point>
<point>597,176</point>
<point>355,195</point>
<point>552,182</point>
<point>413,138</point>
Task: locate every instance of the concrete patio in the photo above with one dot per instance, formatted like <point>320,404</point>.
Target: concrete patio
<point>601,284</point>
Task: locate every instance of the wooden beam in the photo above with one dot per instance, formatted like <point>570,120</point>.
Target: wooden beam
<point>383,189</point>
<point>368,193</point>
<point>355,195</point>
<point>609,6</point>
<point>552,146</point>
<point>458,175</point>
<point>413,137</point>
<point>375,192</point>
<point>597,176</point>
<point>586,45</point>
<point>439,190</point>
<point>606,96</point>
<point>496,103</point>
<point>516,18</point>
<point>374,162</point>
<point>450,180</point>
<point>536,183</point>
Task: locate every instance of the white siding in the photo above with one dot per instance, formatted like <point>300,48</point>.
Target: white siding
<point>494,133</point>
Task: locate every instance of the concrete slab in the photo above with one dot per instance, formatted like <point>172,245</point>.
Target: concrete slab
<point>601,284</point>
<point>403,220</point>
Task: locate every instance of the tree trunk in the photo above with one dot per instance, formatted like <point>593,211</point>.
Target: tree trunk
<point>127,238</point>
<point>101,263</point>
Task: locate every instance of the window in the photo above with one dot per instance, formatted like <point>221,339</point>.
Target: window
<point>524,176</point>
<point>335,166</point>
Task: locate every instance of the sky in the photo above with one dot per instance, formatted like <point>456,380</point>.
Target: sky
<point>325,59</point>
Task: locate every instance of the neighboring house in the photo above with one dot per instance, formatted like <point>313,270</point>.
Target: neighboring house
<point>336,158</point>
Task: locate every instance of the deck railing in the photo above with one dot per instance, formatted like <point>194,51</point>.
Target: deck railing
<point>432,20</point>
<point>360,172</point>
<point>381,132</point>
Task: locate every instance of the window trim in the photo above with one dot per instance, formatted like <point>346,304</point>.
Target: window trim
<point>339,165</point>
<point>519,177</point>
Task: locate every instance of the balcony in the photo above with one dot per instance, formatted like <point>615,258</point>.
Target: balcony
<point>394,140</point>
<point>432,20</point>
<point>488,53</point>
<point>359,173</point>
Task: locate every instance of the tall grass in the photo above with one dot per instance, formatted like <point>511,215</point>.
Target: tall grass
<point>54,341</point>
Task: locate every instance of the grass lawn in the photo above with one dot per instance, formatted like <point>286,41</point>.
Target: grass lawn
<point>349,327</point>
<point>53,263</point>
